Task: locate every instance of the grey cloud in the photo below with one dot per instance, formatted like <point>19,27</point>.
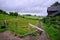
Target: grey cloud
<point>31,6</point>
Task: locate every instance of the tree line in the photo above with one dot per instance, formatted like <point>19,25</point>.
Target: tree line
<point>56,4</point>
<point>10,13</point>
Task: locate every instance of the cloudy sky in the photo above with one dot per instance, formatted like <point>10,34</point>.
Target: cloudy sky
<point>38,7</point>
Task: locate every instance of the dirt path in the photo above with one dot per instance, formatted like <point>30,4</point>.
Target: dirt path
<point>7,35</point>
<point>44,35</point>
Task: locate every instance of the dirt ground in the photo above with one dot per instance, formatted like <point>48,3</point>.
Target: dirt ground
<point>7,35</point>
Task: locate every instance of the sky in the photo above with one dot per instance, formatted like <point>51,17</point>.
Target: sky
<point>38,7</point>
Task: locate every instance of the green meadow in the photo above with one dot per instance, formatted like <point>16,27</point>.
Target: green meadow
<point>52,27</point>
<point>17,24</point>
<point>20,25</point>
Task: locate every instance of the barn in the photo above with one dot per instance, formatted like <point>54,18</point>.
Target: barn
<point>53,10</point>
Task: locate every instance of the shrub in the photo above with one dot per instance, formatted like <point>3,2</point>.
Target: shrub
<point>13,13</point>
<point>3,12</point>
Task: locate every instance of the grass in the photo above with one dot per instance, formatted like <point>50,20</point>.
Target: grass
<point>18,25</point>
<point>52,26</point>
<point>52,32</point>
<point>33,17</point>
<point>2,30</point>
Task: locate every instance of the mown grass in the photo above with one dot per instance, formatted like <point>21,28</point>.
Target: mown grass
<point>17,24</point>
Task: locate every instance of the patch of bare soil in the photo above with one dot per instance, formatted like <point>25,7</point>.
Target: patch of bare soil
<point>44,36</point>
<point>7,35</point>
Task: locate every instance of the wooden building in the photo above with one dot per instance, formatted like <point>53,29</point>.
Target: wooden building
<point>53,10</point>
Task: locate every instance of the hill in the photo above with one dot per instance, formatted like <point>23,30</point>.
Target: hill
<point>17,24</point>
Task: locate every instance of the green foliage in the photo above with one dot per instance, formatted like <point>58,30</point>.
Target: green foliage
<point>55,4</point>
<point>13,13</point>
<point>52,32</point>
<point>33,17</point>
<point>52,26</point>
<point>18,25</point>
<point>52,20</point>
<point>3,12</point>
<point>2,30</point>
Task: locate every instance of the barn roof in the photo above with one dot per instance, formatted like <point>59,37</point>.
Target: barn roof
<point>54,8</point>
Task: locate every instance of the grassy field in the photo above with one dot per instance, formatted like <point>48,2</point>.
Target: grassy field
<point>19,25</point>
<point>52,26</point>
<point>52,32</point>
<point>33,17</point>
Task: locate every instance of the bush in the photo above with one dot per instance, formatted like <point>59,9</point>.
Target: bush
<point>3,12</point>
<point>13,13</point>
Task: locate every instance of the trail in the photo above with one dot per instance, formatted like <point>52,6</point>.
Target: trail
<point>8,35</point>
<point>44,35</point>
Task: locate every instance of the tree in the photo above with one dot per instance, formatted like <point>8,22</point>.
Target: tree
<point>11,13</point>
<point>3,12</point>
<point>15,14</point>
<point>55,4</point>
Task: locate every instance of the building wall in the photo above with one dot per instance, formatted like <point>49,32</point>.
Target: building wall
<point>51,12</point>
